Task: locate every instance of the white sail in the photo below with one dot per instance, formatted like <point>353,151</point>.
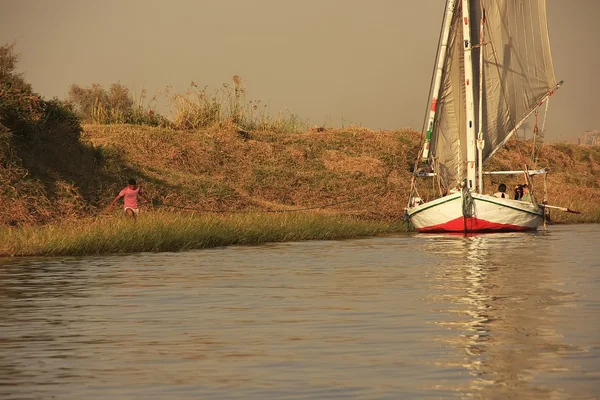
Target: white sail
<point>517,74</point>
<point>517,70</point>
<point>449,129</point>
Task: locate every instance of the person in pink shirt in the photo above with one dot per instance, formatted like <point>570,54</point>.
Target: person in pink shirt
<point>130,195</point>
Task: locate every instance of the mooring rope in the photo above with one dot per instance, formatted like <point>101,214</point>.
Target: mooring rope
<point>356,198</point>
<point>468,204</point>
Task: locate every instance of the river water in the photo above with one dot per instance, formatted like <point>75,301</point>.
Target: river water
<point>420,316</point>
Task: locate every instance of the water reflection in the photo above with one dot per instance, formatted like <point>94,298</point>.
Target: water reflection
<point>500,296</point>
<point>36,338</point>
<point>489,316</point>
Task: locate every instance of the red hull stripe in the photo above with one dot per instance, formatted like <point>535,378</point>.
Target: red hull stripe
<point>473,225</point>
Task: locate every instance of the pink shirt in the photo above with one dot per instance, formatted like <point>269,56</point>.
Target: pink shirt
<point>130,197</point>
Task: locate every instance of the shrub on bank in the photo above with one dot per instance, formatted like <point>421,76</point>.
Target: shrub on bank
<point>46,172</point>
<point>27,123</point>
<point>198,108</point>
<point>116,105</point>
<point>25,113</point>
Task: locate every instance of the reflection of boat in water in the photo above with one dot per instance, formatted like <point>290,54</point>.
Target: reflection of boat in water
<point>501,306</point>
<point>494,70</point>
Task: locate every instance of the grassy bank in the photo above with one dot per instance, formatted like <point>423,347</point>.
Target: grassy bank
<point>220,169</point>
<point>364,173</point>
<point>220,153</point>
<point>181,231</point>
<point>362,176</point>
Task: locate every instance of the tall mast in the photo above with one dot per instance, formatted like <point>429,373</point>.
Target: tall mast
<point>438,75</point>
<point>471,149</point>
<point>480,141</point>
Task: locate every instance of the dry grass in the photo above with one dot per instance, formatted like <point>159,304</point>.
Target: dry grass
<point>216,169</point>
<point>199,108</point>
<point>364,173</point>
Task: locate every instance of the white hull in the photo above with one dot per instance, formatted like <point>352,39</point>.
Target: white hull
<point>490,214</point>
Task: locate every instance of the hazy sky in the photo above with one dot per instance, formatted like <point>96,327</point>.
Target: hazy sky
<point>367,62</point>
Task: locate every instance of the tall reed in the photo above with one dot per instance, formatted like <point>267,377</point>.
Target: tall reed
<point>180,231</point>
<point>198,108</point>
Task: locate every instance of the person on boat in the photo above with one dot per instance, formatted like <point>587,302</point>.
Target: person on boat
<point>131,193</point>
<point>415,201</point>
<point>526,195</point>
<point>518,192</point>
<point>501,193</point>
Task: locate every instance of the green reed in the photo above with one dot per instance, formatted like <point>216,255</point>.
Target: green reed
<point>155,232</point>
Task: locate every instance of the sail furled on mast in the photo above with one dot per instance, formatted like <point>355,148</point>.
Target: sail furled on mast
<point>449,131</point>
<point>517,64</point>
<point>517,74</point>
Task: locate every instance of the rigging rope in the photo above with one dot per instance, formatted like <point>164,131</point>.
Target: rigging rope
<point>535,135</point>
<point>539,133</point>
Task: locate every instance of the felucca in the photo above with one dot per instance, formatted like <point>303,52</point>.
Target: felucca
<point>493,71</point>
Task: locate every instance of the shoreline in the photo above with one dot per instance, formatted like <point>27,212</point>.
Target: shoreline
<point>175,232</point>
<point>163,232</point>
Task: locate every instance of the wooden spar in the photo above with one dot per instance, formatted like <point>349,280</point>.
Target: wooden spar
<point>438,76</point>
<point>561,208</point>
<point>468,80</point>
<point>515,172</point>
<point>529,172</point>
<point>480,141</point>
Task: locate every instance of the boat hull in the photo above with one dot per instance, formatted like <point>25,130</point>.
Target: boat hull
<point>490,214</point>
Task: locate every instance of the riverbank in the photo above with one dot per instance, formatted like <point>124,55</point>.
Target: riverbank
<point>221,187</point>
<point>353,171</point>
<point>176,231</point>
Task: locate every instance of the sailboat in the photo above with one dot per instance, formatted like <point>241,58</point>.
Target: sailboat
<point>493,71</point>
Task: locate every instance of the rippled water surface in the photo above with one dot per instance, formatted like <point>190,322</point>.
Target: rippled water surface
<point>427,316</point>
